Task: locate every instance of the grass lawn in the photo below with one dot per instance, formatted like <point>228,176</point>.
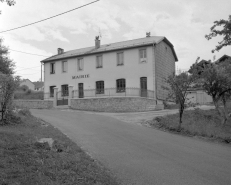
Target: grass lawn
<point>204,123</point>
<point>24,162</point>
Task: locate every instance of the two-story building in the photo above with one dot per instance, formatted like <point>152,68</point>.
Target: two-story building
<point>133,68</point>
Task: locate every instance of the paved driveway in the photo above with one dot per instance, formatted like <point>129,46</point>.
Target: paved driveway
<point>140,155</point>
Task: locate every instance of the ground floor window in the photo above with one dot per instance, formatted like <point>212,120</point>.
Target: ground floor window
<point>52,91</point>
<point>120,85</point>
<point>100,87</point>
<point>64,90</point>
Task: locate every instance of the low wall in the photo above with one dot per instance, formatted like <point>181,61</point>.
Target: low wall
<point>34,104</point>
<point>120,104</point>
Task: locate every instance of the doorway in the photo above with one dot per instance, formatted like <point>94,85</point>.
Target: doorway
<point>143,87</point>
<point>81,92</point>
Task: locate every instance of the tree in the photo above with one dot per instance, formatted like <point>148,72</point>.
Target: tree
<point>179,86</point>
<point>9,2</point>
<point>225,32</point>
<point>8,85</point>
<point>6,64</point>
<point>216,81</point>
<point>23,88</point>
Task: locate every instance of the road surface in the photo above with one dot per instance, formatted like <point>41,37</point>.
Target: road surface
<point>140,155</point>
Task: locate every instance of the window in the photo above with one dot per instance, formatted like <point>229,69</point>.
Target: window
<point>64,66</point>
<point>143,56</point>
<point>52,91</point>
<point>80,64</point>
<point>52,68</point>
<point>120,59</point>
<point>64,90</point>
<point>120,85</point>
<point>100,87</point>
<point>99,61</point>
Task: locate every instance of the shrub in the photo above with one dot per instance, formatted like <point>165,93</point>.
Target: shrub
<point>24,112</point>
<point>29,96</point>
<point>11,118</point>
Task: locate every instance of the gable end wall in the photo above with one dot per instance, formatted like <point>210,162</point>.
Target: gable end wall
<point>164,66</point>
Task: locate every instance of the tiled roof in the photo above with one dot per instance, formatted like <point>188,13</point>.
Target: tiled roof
<point>111,47</point>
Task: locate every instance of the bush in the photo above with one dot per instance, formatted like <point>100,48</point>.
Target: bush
<point>205,123</point>
<point>23,88</point>
<point>24,112</point>
<point>11,118</point>
<point>29,95</point>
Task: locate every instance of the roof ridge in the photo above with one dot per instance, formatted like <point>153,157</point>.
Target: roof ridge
<point>93,47</point>
<point>110,46</point>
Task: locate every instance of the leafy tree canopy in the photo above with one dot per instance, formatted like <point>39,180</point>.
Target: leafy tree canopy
<point>215,79</point>
<point>225,32</point>
<point>9,2</point>
<point>178,87</point>
<point>6,64</point>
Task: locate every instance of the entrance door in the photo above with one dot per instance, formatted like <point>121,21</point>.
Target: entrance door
<point>81,92</point>
<point>62,96</point>
<point>143,87</point>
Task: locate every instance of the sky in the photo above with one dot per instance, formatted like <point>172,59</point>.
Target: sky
<point>183,22</point>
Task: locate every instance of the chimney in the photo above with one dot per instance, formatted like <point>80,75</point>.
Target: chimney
<point>148,34</point>
<point>60,51</point>
<point>97,42</point>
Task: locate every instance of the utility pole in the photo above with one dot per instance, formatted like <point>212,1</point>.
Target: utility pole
<point>41,72</point>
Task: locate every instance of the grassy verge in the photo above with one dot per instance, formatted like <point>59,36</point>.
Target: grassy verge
<point>203,123</point>
<point>23,161</point>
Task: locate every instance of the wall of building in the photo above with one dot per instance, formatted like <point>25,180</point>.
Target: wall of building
<point>28,83</point>
<point>132,70</point>
<point>119,104</point>
<point>165,66</point>
<point>34,104</point>
<point>199,97</point>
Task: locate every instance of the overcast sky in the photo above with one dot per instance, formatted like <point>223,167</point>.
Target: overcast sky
<point>183,22</point>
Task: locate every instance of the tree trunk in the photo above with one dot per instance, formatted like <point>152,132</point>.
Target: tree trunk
<point>225,115</point>
<point>181,110</point>
<point>216,103</point>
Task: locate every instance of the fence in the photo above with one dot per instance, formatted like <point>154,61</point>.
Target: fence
<point>48,96</point>
<point>113,92</point>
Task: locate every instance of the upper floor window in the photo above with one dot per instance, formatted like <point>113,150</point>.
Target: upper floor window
<point>143,55</point>
<point>99,61</point>
<point>80,64</point>
<point>64,66</point>
<point>52,68</point>
<point>120,85</point>
<point>120,59</point>
<point>100,87</point>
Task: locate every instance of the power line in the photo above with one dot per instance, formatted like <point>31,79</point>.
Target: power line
<point>28,53</point>
<point>49,17</point>
<point>29,68</point>
<point>27,74</point>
